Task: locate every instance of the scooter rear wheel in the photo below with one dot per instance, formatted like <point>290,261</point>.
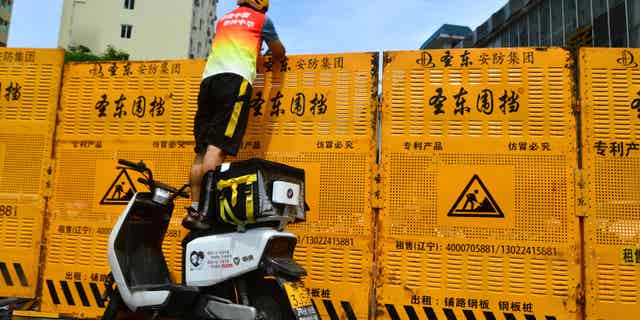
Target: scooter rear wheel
<point>268,299</point>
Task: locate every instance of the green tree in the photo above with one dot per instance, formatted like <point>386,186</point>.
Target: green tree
<point>81,53</point>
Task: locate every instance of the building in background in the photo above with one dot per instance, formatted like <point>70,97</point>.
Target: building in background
<point>5,20</point>
<point>560,23</point>
<point>448,36</point>
<point>146,29</point>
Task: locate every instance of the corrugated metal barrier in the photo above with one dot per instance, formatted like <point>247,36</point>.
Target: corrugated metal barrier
<point>610,98</point>
<point>478,151</point>
<point>29,88</point>
<point>320,119</point>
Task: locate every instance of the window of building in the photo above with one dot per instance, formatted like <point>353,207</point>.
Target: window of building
<point>600,23</point>
<point>618,23</point>
<point>196,3</point>
<point>634,23</point>
<point>125,31</point>
<point>4,26</point>
<point>570,18</point>
<point>513,35</point>
<point>129,4</point>
<point>504,40</point>
<point>584,13</point>
<point>557,25</point>
<point>534,25</point>
<point>545,24</point>
<point>199,48</point>
<point>523,31</point>
<point>201,23</point>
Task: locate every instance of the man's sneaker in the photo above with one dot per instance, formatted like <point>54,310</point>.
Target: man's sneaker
<point>194,220</point>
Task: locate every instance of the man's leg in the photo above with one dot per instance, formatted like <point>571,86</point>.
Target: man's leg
<point>213,157</point>
<point>200,218</point>
<point>195,179</point>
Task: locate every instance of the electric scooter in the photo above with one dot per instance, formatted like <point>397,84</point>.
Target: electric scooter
<point>244,271</point>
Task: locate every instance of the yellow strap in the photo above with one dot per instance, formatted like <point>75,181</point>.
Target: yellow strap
<point>249,206</point>
<point>234,194</point>
<point>226,211</point>
<point>237,108</point>
<point>246,179</point>
<point>225,208</point>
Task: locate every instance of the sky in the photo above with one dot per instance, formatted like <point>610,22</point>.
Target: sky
<point>304,26</point>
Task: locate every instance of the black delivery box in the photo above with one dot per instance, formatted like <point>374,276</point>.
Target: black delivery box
<point>244,192</point>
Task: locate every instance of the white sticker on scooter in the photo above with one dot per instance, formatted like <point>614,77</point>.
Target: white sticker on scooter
<point>216,258</point>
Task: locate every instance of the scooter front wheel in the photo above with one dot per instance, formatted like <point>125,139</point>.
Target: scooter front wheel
<point>115,302</point>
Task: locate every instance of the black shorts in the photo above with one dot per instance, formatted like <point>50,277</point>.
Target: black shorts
<point>223,113</point>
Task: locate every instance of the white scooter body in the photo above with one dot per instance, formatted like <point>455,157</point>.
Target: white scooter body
<point>133,300</point>
<point>208,260</point>
<point>214,259</point>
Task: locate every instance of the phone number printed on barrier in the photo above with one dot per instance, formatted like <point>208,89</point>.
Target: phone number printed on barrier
<point>171,233</point>
<point>502,249</point>
<point>8,211</point>
<point>327,241</point>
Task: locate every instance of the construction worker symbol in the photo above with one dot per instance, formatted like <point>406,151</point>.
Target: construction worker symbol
<point>121,190</point>
<point>476,201</point>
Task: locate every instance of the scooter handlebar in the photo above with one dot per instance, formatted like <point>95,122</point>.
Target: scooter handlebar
<point>140,166</point>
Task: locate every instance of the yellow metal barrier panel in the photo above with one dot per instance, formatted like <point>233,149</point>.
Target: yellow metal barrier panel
<point>326,126</point>
<point>610,101</point>
<point>29,88</point>
<point>320,119</point>
<point>478,218</point>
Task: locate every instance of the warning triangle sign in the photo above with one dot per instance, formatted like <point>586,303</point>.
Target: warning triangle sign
<point>121,190</point>
<point>476,201</point>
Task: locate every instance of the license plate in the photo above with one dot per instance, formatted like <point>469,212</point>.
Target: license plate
<point>300,301</point>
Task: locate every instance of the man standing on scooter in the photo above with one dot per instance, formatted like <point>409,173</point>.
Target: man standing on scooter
<point>225,94</point>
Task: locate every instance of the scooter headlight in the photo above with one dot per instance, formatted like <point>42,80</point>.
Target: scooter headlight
<point>161,196</point>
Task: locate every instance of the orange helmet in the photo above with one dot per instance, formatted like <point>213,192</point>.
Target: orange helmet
<point>260,5</point>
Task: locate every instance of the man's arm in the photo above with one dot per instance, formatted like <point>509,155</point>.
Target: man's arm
<point>278,53</point>
<point>270,36</point>
<point>277,50</point>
